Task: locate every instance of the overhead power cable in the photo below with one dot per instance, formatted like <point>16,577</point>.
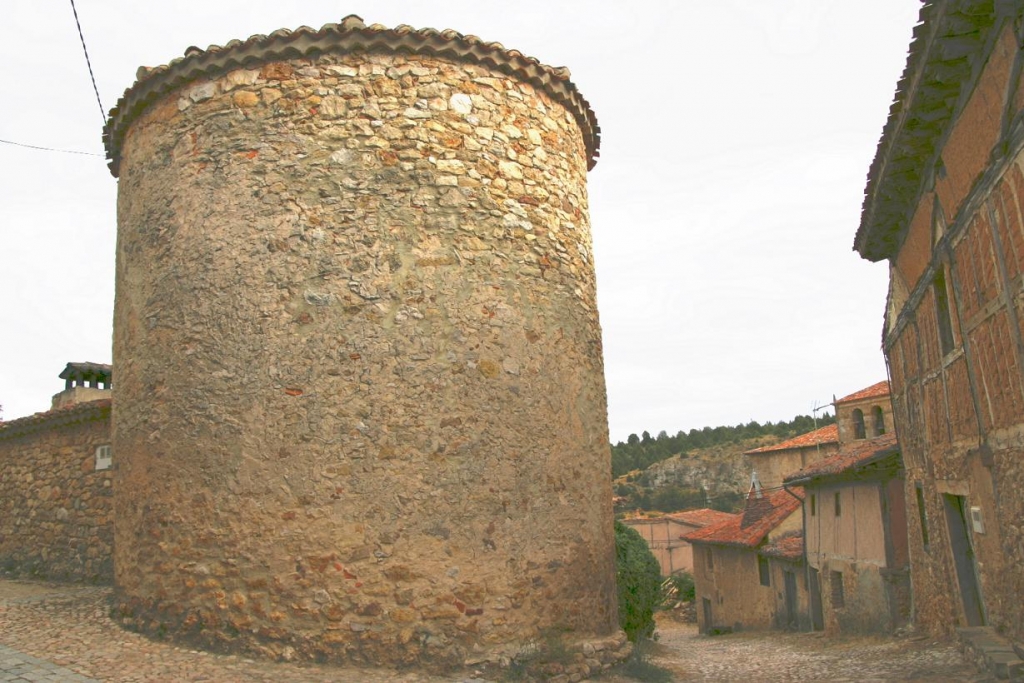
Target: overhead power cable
<point>50,149</point>
<point>103,112</point>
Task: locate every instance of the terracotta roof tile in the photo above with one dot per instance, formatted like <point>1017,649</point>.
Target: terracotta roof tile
<point>701,518</point>
<point>789,546</point>
<point>748,528</point>
<point>86,411</point>
<point>850,458</point>
<point>823,435</point>
<point>351,35</point>
<point>874,391</point>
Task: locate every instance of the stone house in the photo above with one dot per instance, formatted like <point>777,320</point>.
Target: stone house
<point>943,206</point>
<point>786,566</point>
<point>855,535</point>
<point>664,533</point>
<point>55,483</point>
<point>732,574</point>
<point>772,463</point>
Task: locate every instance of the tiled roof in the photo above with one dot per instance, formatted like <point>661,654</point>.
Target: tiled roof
<point>351,35</point>
<point>874,391</point>
<point>789,546</point>
<point>75,413</point>
<point>823,435</point>
<point>850,459</point>
<point>946,45</point>
<point>748,528</point>
<point>701,518</point>
<point>100,371</point>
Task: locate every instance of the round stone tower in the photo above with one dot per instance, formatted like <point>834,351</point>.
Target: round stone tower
<point>360,409</point>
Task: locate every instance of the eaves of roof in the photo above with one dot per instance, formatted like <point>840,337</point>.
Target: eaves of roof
<point>88,411</point>
<point>852,459</point>
<point>947,46</point>
<point>351,35</point>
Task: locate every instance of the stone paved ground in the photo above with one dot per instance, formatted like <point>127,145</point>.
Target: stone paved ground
<point>787,657</point>
<point>62,633</point>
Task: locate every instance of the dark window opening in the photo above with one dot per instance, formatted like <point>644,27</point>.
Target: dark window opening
<point>919,490</point>
<point>839,505</point>
<point>858,424</point>
<point>836,585</point>
<point>762,571</point>
<point>709,560</point>
<point>942,311</point>
<point>814,505</point>
<point>879,420</point>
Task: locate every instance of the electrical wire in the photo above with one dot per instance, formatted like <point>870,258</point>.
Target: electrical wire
<point>50,149</point>
<point>88,63</point>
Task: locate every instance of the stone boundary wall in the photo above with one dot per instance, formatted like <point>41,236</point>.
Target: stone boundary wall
<point>55,507</point>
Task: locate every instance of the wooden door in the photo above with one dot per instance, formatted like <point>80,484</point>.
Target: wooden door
<point>963,559</point>
<point>792,622</point>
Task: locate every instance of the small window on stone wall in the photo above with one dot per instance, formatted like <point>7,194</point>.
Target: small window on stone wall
<point>836,586</point>
<point>839,505</point>
<point>762,571</point>
<point>103,457</point>
<point>814,505</point>
<point>709,560</point>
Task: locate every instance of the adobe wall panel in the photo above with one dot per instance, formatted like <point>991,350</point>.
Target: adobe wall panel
<point>962,418</point>
<point>976,131</point>
<point>993,349</point>
<point>935,413</point>
<point>913,258</point>
<point>1007,205</point>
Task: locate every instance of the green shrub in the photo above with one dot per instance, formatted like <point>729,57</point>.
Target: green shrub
<point>639,582</point>
<point>678,588</point>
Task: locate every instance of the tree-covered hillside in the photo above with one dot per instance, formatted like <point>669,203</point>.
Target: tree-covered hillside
<point>640,452</point>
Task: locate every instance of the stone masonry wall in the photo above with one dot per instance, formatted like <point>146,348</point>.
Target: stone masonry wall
<point>55,507</point>
<point>361,409</point>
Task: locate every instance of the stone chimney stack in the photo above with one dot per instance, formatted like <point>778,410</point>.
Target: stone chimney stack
<point>361,409</point>
<point>82,382</point>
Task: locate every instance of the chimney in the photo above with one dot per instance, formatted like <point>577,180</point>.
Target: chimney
<point>83,382</point>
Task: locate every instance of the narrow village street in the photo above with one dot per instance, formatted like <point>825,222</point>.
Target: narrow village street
<point>53,632</point>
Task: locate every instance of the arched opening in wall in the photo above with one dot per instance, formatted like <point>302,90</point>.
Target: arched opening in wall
<point>879,420</point>
<point>858,424</point>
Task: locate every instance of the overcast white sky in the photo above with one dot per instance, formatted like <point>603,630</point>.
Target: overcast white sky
<point>736,137</point>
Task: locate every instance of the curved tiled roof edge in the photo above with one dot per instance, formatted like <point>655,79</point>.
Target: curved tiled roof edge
<point>350,35</point>
<point>88,411</point>
<point>822,436</point>
<point>876,390</point>
<point>939,65</point>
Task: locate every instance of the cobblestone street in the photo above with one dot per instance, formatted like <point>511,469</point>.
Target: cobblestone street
<point>805,657</point>
<point>62,633</point>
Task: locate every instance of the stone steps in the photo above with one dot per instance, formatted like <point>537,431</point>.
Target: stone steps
<point>991,652</point>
